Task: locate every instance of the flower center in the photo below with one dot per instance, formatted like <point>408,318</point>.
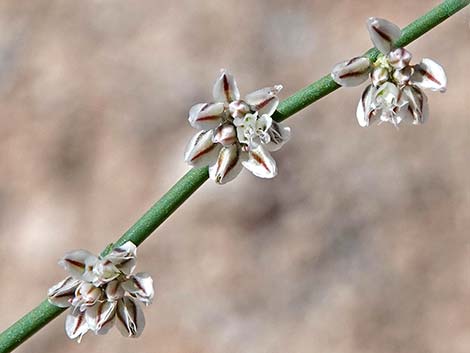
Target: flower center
<point>252,129</point>
<point>383,62</point>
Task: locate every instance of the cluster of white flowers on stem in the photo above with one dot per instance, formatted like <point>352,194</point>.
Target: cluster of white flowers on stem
<point>395,94</point>
<point>236,132</point>
<point>102,291</point>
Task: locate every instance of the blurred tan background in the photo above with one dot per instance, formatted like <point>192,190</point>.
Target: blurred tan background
<point>359,245</point>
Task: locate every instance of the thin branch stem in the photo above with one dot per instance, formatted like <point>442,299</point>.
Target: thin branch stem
<point>45,312</point>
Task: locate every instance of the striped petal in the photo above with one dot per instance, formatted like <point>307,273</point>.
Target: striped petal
<point>352,72</point>
<point>364,108</point>
<point>124,257</point>
<point>201,150</point>
<point>225,88</point>
<point>399,58</point>
<point>264,100</point>
<point>279,135</point>
<point>76,325</point>
<point>206,116</point>
<point>100,317</point>
<point>429,74</point>
<point>227,166</point>
<point>140,286</point>
<point>129,318</point>
<point>114,290</point>
<point>75,262</point>
<point>417,104</point>
<point>260,163</point>
<point>383,33</point>
<point>238,109</point>
<point>86,295</point>
<point>225,134</point>
<point>62,293</point>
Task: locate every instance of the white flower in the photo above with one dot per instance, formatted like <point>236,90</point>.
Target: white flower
<point>395,94</point>
<point>236,132</point>
<point>103,291</point>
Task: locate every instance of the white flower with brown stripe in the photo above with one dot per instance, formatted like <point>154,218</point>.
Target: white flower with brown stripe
<point>395,94</point>
<point>236,132</point>
<point>102,292</point>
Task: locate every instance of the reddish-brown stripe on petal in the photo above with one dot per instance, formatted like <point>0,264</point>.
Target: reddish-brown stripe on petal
<point>429,76</point>
<point>413,113</point>
<point>208,118</point>
<point>265,102</point>
<point>99,312</point>
<point>351,74</point>
<point>137,283</point>
<point>65,294</point>
<point>79,322</point>
<point>382,34</point>
<point>208,149</point>
<point>75,263</point>
<point>228,140</point>
<point>226,88</point>
<point>229,168</point>
<point>353,60</point>
<point>363,100</point>
<point>260,160</point>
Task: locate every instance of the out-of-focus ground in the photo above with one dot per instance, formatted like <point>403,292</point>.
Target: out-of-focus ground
<point>361,244</point>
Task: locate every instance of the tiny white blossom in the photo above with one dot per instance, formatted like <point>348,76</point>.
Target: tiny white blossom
<point>395,94</point>
<point>236,132</point>
<point>102,291</point>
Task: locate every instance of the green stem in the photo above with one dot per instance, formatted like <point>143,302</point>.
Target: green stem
<point>32,322</point>
<point>164,207</point>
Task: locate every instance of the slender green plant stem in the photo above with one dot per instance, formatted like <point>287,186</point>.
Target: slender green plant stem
<point>29,324</point>
<point>164,207</point>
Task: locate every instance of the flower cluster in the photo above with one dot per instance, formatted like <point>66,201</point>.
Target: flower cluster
<point>236,132</point>
<point>395,94</point>
<point>103,291</point>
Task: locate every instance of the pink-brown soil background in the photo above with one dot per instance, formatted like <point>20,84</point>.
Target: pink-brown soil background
<point>360,244</point>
